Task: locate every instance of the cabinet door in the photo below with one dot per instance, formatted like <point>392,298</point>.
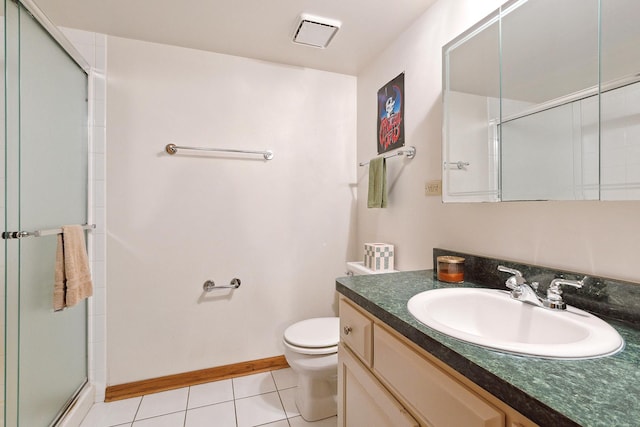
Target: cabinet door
<point>363,401</point>
<point>429,392</point>
<point>355,331</point>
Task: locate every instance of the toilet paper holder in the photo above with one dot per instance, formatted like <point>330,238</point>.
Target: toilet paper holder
<point>210,285</point>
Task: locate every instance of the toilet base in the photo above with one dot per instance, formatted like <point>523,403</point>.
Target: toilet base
<point>316,398</point>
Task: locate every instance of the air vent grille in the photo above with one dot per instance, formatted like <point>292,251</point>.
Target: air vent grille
<point>314,31</point>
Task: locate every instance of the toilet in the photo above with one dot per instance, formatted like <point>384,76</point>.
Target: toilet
<point>311,349</point>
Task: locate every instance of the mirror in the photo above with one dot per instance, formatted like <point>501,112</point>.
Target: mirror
<point>524,114</point>
<point>620,100</point>
<point>473,106</point>
<point>549,100</point>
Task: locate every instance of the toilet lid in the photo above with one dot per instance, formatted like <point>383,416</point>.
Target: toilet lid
<point>314,333</point>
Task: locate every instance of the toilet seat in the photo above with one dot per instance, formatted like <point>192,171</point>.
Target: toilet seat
<point>314,336</point>
<point>319,351</point>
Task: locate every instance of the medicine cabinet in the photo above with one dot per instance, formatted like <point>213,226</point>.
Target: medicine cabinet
<point>542,102</point>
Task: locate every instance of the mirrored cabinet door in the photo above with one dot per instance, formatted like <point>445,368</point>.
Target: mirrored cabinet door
<point>549,83</point>
<point>620,100</point>
<point>470,161</point>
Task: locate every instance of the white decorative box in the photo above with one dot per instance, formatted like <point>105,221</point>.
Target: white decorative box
<point>378,256</point>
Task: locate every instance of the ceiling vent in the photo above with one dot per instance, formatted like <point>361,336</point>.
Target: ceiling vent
<point>315,31</point>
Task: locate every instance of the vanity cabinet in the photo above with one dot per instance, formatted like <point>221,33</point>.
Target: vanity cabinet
<point>385,380</point>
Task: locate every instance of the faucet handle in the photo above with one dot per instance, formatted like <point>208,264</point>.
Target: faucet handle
<point>514,281</point>
<point>554,293</point>
<point>554,287</point>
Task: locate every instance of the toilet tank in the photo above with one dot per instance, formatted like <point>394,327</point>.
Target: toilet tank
<point>357,268</point>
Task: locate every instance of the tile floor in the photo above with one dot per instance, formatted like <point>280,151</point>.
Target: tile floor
<point>265,399</point>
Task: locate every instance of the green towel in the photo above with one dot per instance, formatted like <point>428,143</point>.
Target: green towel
<point>377,183</point>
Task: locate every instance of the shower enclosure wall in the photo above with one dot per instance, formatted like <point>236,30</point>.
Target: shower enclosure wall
<point>45,143</point>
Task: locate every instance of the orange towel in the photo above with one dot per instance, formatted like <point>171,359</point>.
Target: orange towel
<point>72,278</point>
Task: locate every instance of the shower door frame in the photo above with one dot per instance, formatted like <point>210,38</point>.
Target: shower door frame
<point>12,137</point>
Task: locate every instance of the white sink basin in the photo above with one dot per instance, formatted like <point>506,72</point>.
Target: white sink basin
<point>491,318</point>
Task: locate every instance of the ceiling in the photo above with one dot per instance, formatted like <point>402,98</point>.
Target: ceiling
<point>260,29</point>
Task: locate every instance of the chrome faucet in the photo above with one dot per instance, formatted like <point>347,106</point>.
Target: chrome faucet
<point>520,290</point>
<point>524,292</point>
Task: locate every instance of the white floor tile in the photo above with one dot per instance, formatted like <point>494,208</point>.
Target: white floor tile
<point>258,410</point>
<point>112,413</point>
<point>210,393</point>
<point>220,415</point>
<point>288,398</point>
<point>252,385</point>
<point>285,378</point>
<point>170,420</point>
<point>300,422</point>
<point>162,403</point>
<point>257,403</point>
<point>281,423</point>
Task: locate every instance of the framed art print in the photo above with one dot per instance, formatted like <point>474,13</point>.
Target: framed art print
<point>391,115</point>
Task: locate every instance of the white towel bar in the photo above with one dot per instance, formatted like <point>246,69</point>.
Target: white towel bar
<point>410,152</point>
<point>39,233</point>
<point>173,149</point>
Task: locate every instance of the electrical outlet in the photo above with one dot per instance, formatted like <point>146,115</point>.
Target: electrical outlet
<point>433,188</point>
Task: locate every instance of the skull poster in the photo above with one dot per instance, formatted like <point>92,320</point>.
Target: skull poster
<point>391,115</point>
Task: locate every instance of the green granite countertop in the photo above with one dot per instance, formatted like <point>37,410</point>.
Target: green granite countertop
<point>594,392</point>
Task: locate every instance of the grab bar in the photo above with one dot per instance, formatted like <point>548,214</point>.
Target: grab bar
<point>173,149</point>
<point>459,164</point>
<point>39,233</point>
<point>410,152</point>
<point>210,285</point>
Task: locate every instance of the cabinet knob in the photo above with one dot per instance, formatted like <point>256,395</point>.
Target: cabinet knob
<point>347,330</point>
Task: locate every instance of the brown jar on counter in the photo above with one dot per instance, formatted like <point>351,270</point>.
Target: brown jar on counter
<point>450,269</point>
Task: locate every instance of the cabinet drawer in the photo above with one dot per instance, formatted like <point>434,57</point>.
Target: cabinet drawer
<point>355,331</point>
<point>433,395</point>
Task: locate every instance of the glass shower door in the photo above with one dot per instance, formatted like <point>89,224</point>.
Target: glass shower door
<point>46,182</point>
<point>2,257</point>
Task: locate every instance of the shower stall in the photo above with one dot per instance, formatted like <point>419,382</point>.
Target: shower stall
<point>45,186</point>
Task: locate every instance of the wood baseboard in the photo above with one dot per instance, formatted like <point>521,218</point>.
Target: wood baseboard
<point>171,382</point>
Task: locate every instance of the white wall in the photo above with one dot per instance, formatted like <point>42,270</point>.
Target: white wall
<point>592,237</point>
<point>282,226</point>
